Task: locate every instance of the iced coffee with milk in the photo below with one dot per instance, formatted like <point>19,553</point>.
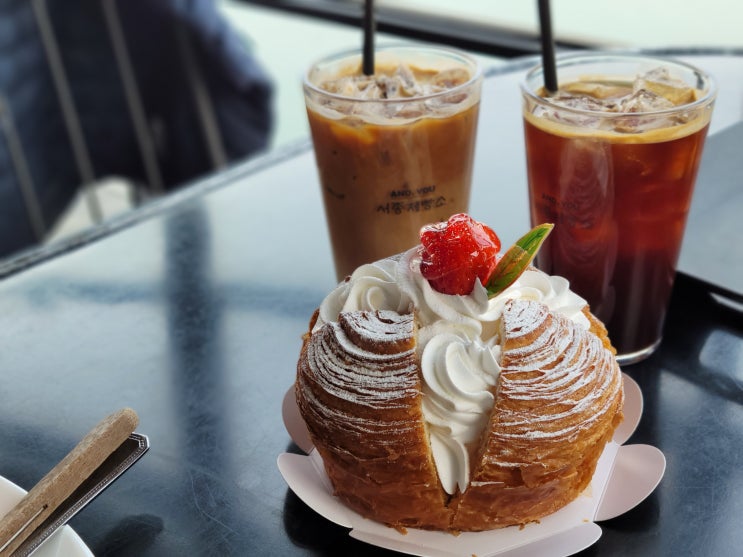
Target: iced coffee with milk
<point>394,150</point>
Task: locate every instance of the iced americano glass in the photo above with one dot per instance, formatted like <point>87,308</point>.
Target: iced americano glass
<point>394,151</point>
<point>612,158</point>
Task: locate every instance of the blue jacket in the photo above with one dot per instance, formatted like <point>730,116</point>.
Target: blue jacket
<point>157,91</point>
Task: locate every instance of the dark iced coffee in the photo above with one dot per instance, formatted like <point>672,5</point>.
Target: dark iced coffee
<point>394,150</point>
<point>612,159</point>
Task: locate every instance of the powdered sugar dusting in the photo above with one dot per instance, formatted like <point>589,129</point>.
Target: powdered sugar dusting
<point>553,377</point>
<point>361,372</point>
<point>358,372</point>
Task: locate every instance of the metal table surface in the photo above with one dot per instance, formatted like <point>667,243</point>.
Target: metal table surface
<point>190,310</point>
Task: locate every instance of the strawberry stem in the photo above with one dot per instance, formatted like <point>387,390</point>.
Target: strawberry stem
<point>517,259</point>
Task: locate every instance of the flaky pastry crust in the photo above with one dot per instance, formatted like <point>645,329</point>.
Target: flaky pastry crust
<point>558,401</point>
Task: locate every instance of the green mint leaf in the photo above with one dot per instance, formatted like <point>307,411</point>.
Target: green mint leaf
<point>517,259</point>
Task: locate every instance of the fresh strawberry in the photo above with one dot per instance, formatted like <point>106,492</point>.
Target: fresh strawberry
<point>456,252</point>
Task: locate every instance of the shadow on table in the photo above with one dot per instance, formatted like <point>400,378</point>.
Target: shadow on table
<point>131,536</point>
<point>309,530</point>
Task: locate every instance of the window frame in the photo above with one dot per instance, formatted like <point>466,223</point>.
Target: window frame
<point>428,27</point>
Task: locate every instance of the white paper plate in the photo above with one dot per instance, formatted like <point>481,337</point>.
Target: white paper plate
<point>64,543</point>
<point>625,476</point>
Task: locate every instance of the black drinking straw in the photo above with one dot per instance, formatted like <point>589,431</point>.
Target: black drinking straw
<point>369,28</point>
<point>548,47</point>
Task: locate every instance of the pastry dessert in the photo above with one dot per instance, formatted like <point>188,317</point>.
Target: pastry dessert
<point>456,388</point>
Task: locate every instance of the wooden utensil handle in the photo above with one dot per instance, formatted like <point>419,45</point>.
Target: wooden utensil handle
<point>62,480</point>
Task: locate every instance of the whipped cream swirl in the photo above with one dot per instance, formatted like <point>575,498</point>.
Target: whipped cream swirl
<point>458,344</point>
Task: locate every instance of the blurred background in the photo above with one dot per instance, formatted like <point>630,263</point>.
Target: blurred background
<point>107,104</point>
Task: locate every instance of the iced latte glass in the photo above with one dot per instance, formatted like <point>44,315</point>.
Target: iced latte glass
<point>394,151</point>
<point>612,158</point>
